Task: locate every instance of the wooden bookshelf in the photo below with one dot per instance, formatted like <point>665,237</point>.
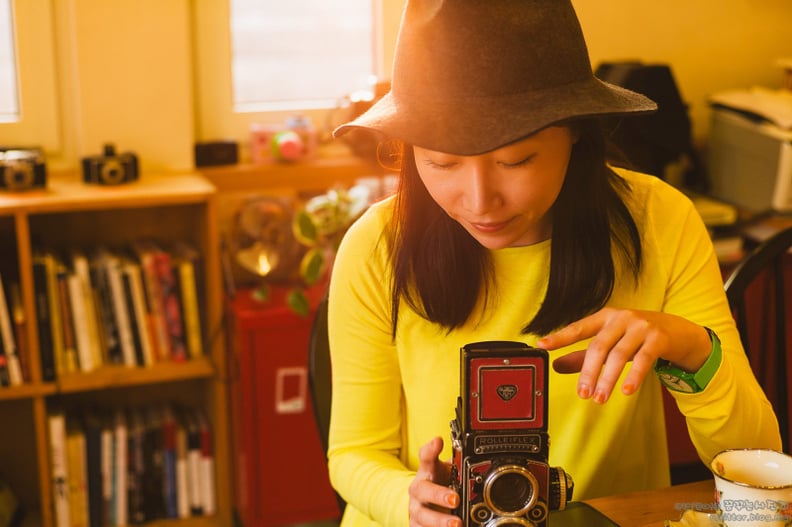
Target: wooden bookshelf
<point>70,214</point>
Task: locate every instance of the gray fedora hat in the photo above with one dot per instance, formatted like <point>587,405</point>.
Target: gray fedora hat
<point>470,76</point>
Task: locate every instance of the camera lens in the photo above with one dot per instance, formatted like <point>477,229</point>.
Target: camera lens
<point>112,172</point>
<point>510,490</point>
<point>18,176</point>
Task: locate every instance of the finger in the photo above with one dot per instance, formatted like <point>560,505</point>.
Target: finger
<point>579,330</point>
<point>428,456</point>
<point>570,362</point>
<point>620,354</point>
<point>428,516</point>
<point>641,366</point>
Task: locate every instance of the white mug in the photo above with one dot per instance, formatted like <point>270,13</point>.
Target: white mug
<point>754,487</point>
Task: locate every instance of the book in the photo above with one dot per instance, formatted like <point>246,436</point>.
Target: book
<point>136,467</point>
<point>206,476</point>
<point>153,485</point>
<point>59,471</point>
<point>13,366</point>
<point>185,261</point>
<point>20,330</point>
<point>43,325</point>
<point>55,316</point>
<point>147,254</point>
<point>193,433</point>
<point>171,303</point>
<point>182,472</point>
<point>138,318</point>
<point>68,336</point>
<point>169,482</point>
<point>93,427</point>
<point>77,474</point>
<point>106,466</point>
<point>106,320</point>
<point>120,310</point>
<point>120,465</point>
<point>81,269</point>
<point>80,321</point>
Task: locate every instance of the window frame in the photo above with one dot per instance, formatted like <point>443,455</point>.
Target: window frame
<point>39,123</point>
<point>216,118</point>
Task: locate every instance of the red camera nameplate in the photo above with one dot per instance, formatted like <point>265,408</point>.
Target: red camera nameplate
<point>507,395</point>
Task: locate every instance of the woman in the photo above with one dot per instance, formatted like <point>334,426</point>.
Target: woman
<point>509,225</point>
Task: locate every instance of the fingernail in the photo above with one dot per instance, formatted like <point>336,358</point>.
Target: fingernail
<point>628,389</point>
<point>600,396</point>
<point>584,392</point>
<point>451,500</point>
<point>454,522</point>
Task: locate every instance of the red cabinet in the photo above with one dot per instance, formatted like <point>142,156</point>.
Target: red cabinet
<point>280,470</point>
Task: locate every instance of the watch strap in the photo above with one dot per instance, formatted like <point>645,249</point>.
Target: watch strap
<point>679,380</point>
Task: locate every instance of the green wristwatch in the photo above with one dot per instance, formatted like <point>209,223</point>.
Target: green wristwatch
<point>682,381</point>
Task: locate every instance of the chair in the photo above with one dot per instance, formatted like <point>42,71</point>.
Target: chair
<point>758,293</point>
<point>320,382</point>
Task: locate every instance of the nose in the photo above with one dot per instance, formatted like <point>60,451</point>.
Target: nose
<point>482,193</point>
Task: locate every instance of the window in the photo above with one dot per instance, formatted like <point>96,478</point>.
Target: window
<point>28,107</point>
<point>9,109</point>
<point>299,54</point>
<point>262,62</point>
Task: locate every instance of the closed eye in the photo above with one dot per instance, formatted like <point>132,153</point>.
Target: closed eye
<point>438,165</point>
<point>519,163</point>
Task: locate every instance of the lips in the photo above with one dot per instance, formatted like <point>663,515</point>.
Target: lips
<point>489,227</point>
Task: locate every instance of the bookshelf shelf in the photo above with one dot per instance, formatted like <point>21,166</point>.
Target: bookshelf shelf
<point>119,376</point>
<point>70,216</point>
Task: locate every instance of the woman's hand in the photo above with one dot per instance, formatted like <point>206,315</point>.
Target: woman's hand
<point>621,336</point>
<point>430,497</point>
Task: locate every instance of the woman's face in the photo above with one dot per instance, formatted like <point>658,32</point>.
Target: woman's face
<point>502,198</point>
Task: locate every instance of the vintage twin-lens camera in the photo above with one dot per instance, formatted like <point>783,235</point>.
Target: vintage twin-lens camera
<point>110,168</point>
<point>22,169</point>
<point>500,439</point>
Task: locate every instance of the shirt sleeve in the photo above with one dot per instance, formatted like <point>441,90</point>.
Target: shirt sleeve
<point>732,411</point>
<point>365,443</point>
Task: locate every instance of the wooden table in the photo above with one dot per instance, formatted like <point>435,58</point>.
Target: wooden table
<point>651,507</point>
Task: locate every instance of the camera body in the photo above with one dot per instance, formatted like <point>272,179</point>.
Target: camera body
<point>22,169</point>
<point>499,437</point>
<point>110,168</point>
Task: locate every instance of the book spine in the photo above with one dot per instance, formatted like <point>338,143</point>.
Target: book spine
<point>171,307</point>
<point>82,270</point>
<point>20,331</point>
<point>120,311</point>
<point>9,346</point>
<point>190,309</point>
<point>81,318</point>
<point>145,257</point>
<point>43,325</point>
<point>59,469</point>
<point>104,307</point>
<point>69,361</point>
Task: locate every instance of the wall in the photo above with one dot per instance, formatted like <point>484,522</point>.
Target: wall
<point>125,67</point>
<point>711,45</point>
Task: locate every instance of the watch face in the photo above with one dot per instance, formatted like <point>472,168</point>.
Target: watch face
<point>676,382</point>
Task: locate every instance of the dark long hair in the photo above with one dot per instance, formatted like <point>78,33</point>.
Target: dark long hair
<point>441,271</point>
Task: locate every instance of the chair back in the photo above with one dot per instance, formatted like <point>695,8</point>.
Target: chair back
<point>320,381</point>
<point>759,291</point>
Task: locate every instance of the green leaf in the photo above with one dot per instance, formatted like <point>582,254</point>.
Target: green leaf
<point>298,302</point>
<point>261,294</point>
<point>304,228</point>
<point>312,266</point>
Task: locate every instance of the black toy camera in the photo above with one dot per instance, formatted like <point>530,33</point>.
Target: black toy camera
<point>110,168</point>
<point>22,169</point>
<point>500,439</point>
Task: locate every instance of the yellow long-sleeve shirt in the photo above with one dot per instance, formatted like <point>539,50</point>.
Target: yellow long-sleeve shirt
<point>390,398</point>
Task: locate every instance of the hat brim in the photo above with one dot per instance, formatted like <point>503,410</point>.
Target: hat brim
<point>478,125</point>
